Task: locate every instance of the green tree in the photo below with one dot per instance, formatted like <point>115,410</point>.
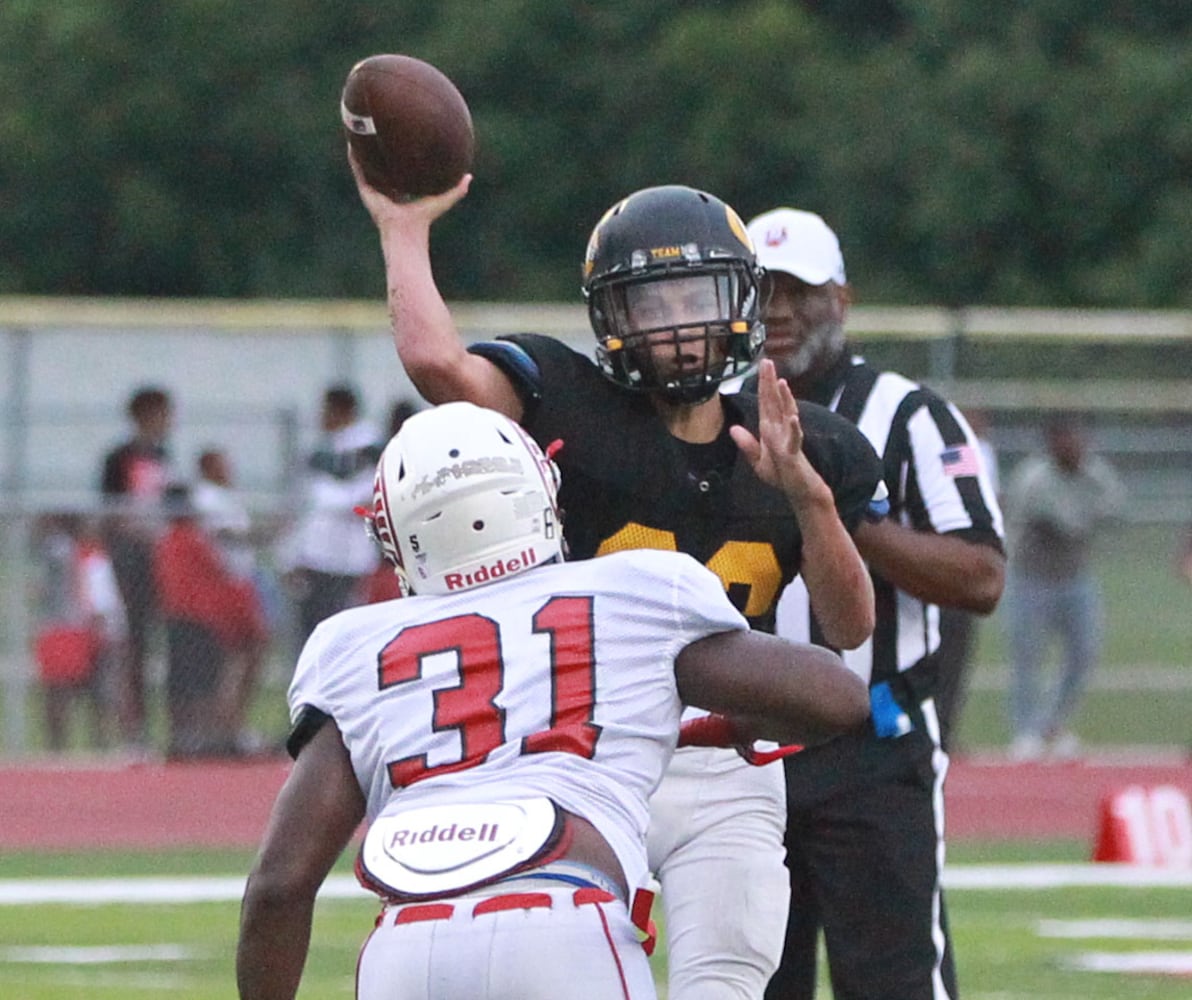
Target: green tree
<point>966,152</point>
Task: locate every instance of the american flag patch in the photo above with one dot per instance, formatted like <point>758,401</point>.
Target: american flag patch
<point>960,460</point>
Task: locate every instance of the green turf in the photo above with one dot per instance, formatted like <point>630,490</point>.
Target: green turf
<point>1002,951</point>
<point>204,933</point>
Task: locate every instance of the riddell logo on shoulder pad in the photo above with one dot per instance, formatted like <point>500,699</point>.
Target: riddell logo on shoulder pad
<point>493,571</point>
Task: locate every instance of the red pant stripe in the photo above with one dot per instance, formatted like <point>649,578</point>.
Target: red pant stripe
<point>427,911</point>
<point>512,901</point>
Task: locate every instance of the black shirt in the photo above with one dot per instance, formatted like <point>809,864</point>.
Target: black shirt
<point>628,483</point>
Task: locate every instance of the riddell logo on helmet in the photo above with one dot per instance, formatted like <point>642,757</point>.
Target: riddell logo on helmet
<point>494,571</point>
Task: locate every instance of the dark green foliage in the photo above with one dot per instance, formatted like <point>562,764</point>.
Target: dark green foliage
<point>1031,154</point>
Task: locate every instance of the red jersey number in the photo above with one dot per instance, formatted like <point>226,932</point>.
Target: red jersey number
<point>471,708</point>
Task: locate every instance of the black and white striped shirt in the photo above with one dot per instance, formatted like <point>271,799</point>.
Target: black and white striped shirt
<point>937,482</point>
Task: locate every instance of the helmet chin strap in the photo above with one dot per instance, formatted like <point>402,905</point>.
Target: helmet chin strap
<point>689,394</point>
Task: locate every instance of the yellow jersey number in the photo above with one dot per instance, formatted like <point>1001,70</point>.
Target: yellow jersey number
<point>751,565</point>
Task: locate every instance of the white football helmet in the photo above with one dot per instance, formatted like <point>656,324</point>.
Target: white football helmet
<point>463,496</point>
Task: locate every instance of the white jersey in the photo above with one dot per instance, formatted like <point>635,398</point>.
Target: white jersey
<point>558,682</point>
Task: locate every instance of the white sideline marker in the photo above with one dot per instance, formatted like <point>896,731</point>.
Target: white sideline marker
<point>207,889</point>
<point>1158,929</point>
<point>1065,876</point>
<point>96,954</point>
<point>1166,963</point>
<point>106,891</point>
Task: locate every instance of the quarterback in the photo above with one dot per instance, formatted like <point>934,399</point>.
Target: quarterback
<point>756,487</point>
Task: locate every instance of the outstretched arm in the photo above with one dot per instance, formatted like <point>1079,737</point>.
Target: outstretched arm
<point>836,577</point>
<point>313,819</point>
<point>779,690</point>
<point>427,341</point>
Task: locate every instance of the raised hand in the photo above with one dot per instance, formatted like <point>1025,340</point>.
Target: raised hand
<point>776,454</point>
<point>384,209</point>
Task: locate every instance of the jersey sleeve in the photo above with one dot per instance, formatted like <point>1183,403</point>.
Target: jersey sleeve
<point>702,606</point>
<point>516,364</point>
<point>843,456</point>
<point>955,492</point>
<point>306,687</point>
<point>534,364</point>
<point>309,721</point>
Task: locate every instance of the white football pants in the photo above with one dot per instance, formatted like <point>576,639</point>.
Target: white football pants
<point>716,847</point>
<point>449,951</point>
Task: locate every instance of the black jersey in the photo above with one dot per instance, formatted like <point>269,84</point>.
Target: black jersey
<point>628,483</point>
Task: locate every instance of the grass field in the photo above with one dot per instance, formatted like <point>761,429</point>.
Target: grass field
<point>1011,943</point>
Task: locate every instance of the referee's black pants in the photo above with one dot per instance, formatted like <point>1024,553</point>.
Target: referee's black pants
<point>864,859</point>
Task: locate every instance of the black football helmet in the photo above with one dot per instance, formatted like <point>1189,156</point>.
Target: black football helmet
<point>658,235</point>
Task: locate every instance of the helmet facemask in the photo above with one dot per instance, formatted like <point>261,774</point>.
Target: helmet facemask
<point>672,286</point>
<point>680,333</point>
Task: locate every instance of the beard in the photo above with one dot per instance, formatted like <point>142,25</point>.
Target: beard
<point>815,354</point>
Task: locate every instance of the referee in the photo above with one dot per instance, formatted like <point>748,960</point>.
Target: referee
<point>865,813</point>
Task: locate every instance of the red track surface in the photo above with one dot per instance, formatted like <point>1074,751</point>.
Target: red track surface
<point>74,805</point>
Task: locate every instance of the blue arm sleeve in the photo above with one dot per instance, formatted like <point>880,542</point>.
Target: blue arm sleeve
<point>517,365</point>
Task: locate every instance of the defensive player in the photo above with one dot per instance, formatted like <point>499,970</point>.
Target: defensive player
<point>865,812</point>
<point>756,488</point>
<point>501,731</point>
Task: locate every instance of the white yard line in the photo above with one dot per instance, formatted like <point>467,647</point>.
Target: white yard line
<point>1144,929</point>
<point>208,889</point>
<point>1168,963</point>
<point>1064,876</point>
<point>95,954</point>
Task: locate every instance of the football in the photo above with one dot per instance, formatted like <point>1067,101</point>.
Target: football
<point>408,125</point>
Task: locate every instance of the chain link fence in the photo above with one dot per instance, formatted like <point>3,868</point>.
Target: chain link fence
<point>247,378</point>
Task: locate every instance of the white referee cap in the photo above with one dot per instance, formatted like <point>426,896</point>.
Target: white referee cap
<point>799,243</point>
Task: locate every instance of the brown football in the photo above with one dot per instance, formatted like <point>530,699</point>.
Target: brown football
<point>408,125</point>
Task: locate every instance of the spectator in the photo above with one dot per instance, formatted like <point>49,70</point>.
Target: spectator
<point>225,517</point>
<point>81,629</point>
<point>558,741</point>
<point>133,480</point>
<point>958,626</point>
<point>865,819</point>
<point>207,621</point>
<point>399,413</point>
<point>224,514</point>
<point>1056,504</point>
<point>327,558</point>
